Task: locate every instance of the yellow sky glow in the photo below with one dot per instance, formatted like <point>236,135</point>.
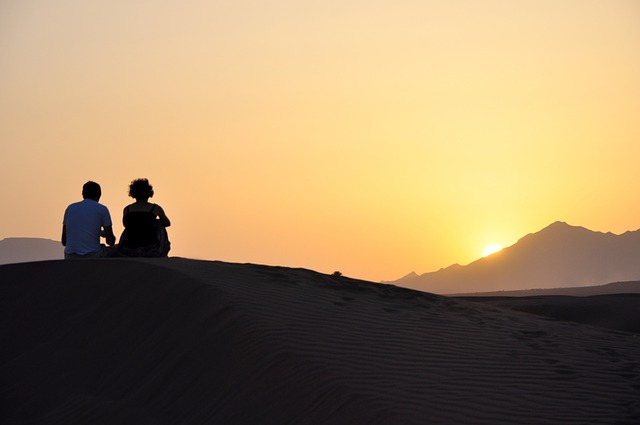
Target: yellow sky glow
<point>491,249</point>
<point>371,138</point>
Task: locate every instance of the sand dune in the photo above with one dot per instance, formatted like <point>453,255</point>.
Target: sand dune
<point>615,311</point>
<point>632,287</point>
<point>178,341</point>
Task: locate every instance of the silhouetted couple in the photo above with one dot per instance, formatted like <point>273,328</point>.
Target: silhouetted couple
<point>145,224</point>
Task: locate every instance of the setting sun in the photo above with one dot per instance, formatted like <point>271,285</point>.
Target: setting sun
<point>491,249</point>
<point>404,138</point>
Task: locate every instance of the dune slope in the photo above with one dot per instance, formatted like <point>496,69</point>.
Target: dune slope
<point>178,341</point>
<point>613,311</point>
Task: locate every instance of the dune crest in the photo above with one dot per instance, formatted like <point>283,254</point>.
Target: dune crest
<point>170,341</point>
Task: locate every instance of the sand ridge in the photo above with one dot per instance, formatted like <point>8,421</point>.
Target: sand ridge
<point>617,311</point>
<point>196,342</point>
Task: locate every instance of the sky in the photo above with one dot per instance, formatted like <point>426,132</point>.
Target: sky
<point>372,137</point>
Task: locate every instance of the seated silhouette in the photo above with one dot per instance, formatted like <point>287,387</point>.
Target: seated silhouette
<point>145,233</point>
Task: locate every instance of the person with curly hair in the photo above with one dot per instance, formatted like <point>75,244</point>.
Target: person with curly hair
<point>145,224</point>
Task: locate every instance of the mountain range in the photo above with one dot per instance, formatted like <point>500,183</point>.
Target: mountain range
<point>20,250</point>
<point>560,255</point>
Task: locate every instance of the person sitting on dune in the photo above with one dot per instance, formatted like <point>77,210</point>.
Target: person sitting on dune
<point>84,223</point>
<point>145,224</point>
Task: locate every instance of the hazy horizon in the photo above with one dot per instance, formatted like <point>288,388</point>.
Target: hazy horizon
<point>554,244</point>
<point>374,139</point>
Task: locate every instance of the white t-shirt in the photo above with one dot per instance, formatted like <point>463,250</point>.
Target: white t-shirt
<point>83,222</point>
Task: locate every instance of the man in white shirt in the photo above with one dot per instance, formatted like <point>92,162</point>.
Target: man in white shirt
<point>84,223</point>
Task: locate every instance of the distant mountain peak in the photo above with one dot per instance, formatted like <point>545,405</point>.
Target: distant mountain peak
<point>406,277</point>
<point>22,249</point>
<point>559,255</point>
<point>559,223</point>
<point>562,226</point>
<point>21,239</point>
<point>556,230</point>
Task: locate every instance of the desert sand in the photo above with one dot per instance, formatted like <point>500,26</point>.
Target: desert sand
<point>178,341</point>
<point>616,311</point>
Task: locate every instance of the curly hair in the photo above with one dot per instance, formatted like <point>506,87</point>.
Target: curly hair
<point>140,189</point>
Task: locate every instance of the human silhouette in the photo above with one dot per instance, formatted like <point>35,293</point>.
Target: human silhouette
<point>84,223</point>
<point>145,224</point>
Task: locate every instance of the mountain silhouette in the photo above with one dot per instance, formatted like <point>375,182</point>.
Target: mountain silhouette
<point>559,255</point>
<point>20,250</point>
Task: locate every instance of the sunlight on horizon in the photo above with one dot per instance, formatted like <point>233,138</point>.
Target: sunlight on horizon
<point>370,138</point>
<point>491,249</point>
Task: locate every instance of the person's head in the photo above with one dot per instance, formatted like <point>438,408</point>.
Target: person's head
<point>141,190</point>
<point>91,190</point>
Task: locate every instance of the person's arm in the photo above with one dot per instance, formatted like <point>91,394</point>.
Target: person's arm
<point>108,234</point>
<point>63,239</point>
<point>164,220</point>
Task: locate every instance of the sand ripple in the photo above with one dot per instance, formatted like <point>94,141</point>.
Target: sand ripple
<point>179,341</point>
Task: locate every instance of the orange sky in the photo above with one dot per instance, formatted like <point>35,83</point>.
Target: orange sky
<point>374,138</point>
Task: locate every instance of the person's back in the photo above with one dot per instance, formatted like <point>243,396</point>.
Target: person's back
<point>84,223</point>
<point>145,233</point>
<point>141,226</point>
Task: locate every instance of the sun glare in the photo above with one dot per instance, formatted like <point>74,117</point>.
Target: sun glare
<point>491,249</point>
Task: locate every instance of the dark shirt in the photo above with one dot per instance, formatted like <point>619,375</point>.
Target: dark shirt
<point>140,225</point>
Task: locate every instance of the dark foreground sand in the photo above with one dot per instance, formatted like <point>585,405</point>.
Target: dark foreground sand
<point>178,341</point>
<point>614,311</point>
